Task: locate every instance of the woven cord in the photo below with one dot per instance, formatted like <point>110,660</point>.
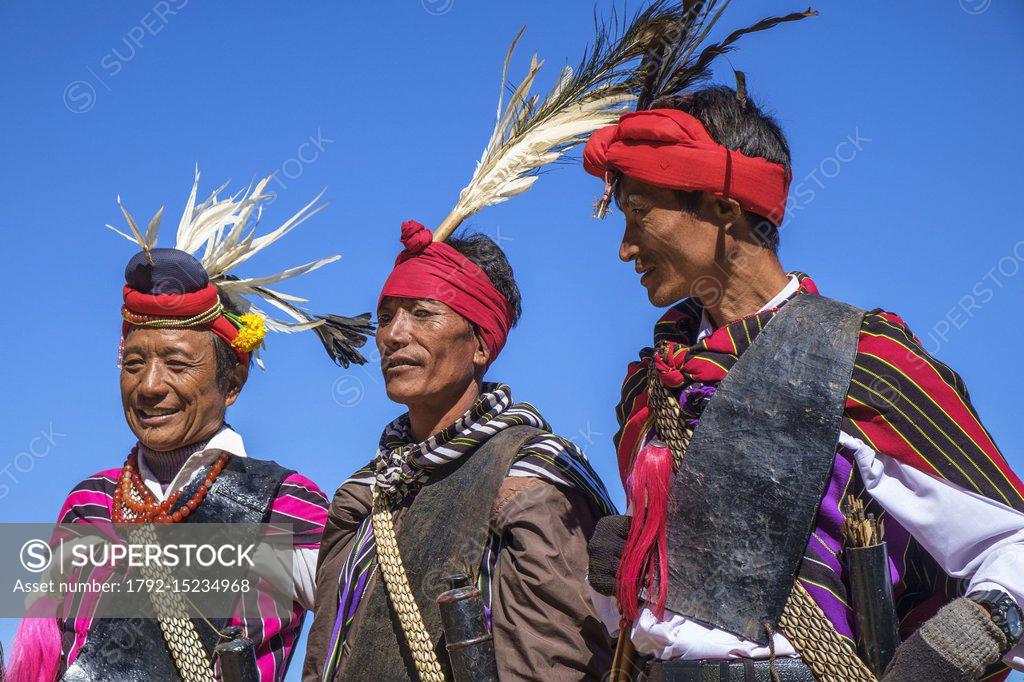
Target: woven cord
<point>805,625</point>
<point>668,416</point>
<point>179,632</point>
<point>397,582</point>
<point>828,655</point>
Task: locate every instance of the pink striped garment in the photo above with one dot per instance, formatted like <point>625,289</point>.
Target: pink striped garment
<point>299,501</point>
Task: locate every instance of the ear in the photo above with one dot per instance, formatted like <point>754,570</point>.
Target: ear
<point>724,211</point>
<point>235,383</point>
<point>482,354</point>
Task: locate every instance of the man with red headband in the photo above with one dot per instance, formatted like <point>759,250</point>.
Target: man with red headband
<point>466,481</point>
<point>760,409</point>
<point>188,336</point>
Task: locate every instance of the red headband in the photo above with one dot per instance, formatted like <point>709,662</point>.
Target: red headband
<point>436,271</point>
<point>170,306</point>
<point>670,148</point>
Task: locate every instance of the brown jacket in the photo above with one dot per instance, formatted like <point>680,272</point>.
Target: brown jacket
<point>544,624</point>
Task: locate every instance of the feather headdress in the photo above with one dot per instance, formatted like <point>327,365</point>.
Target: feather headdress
<point>674,61</point>
<point>225,230</point>
<point>672,64</point>
<point>532,132</point>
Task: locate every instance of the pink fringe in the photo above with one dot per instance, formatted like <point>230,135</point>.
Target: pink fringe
<point>647,490</point>
<point>36,654</point>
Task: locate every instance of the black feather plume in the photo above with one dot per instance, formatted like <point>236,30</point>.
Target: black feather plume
<point>672,64</point>
<point>342,335</point>
<point>606,67</point>
<point>741,87</point>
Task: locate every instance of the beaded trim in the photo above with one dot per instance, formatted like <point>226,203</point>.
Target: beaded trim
<point>140,320</point>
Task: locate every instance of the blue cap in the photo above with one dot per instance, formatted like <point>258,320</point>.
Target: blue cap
<point>172,272</point>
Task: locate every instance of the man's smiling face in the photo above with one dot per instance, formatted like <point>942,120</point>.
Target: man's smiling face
<point>169,388</point>
<point>671,247</point>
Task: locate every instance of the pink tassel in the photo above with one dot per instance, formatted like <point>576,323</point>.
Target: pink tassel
<point>645,552</point>
<point>36,654</point>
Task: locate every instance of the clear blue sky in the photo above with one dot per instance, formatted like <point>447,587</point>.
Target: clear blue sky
<point>127,97</point>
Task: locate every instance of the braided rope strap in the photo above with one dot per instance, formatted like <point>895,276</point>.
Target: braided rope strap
<point>829,656</point>
<point>397,582</point>
<point>805,625</point>
<point>668,415</point>
<point>179,632</point>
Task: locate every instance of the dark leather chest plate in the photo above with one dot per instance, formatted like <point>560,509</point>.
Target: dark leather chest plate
<point>746,495</point>
<point>443,532</point>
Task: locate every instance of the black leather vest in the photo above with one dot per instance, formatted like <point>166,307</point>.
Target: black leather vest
<point>745,498</point>
<point>131,649</point>
<point>443,532</point>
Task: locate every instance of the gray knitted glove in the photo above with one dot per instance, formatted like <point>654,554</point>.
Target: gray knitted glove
<point>957,644</point>
<point>605,548</point>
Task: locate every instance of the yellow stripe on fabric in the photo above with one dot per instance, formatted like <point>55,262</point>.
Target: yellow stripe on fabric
<point>846,488</point>
<point>885,421</point>
<point>940,429</point>
<point>848,639</point>
<point>963,403</point>
<point>924,435</point>
<point>710,361</point>
<point>825,587</point>
<point>927,360</point>
<point>901,333</point>
<point>732,339</point>
<point>863,436</point>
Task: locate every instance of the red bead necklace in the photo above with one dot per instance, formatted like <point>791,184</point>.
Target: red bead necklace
<point>135,503</point>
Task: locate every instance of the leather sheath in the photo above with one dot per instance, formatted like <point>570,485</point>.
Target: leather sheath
<point>443,532</point>
<point>130,649</point>
<point>744,500</point>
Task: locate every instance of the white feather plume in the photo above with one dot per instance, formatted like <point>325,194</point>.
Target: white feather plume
<point>531,133</point>
<point>224,229</point>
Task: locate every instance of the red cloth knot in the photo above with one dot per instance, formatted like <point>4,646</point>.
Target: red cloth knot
<point>415,237</point>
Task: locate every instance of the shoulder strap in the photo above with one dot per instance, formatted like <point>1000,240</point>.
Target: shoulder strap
<point>826,653</point>
<point>243,493</point>
<point>745,497</point>
<point>443,532</point>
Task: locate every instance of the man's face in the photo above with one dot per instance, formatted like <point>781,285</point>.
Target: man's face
<point>169,387</point>
<point>428,352</point>
<point>673,249</point>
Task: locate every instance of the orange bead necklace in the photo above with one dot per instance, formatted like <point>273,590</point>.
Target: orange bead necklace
<point>135,503</point>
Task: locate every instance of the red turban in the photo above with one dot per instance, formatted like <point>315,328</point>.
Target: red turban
<point>436,271</point>
<point>142,307</point>
<point>672,149</point>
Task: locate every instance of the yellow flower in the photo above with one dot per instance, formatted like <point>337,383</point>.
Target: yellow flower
<point>250,334</point>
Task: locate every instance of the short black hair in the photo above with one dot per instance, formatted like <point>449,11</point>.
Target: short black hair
<point>737,123</point>
<point>481,250</point>
<point>227,361</point>
<point>227,357</point>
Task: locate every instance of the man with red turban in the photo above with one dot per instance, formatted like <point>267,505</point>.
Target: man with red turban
<point>761,407</point>
<point>466,481</point>
<point>189,332</point>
